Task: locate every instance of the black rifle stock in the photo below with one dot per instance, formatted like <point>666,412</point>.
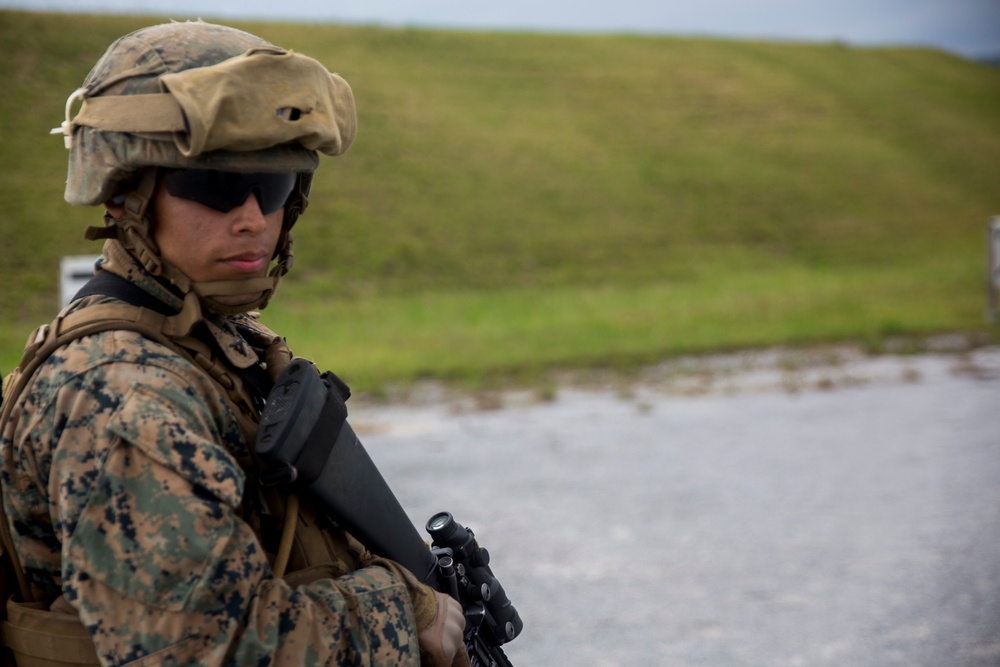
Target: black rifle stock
<point>305,439</point>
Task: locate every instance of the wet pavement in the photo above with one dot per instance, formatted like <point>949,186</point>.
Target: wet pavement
<point>750,511</point>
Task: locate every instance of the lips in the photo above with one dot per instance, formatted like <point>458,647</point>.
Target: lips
<point>248,262</point>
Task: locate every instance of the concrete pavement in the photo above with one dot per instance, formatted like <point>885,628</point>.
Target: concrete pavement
<point>845,512</point>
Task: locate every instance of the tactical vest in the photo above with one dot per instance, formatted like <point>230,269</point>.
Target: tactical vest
<point>303,548</point>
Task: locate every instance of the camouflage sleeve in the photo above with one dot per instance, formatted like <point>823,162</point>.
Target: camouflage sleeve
<point>155,556</point>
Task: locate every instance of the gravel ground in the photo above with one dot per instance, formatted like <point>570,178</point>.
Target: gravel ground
<point>767,509</point>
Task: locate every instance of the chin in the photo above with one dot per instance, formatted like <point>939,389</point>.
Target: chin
<point>238,299</point>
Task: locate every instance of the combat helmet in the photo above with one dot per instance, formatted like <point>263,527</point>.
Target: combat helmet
<point>195,95</point>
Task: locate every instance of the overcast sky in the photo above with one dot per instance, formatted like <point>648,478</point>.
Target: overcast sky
<point>967,27</point>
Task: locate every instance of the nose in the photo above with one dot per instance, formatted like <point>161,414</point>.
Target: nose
<point>248,217</point>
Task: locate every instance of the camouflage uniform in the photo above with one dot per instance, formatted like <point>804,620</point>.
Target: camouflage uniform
<point>132,496</point>
<point>125,494</point>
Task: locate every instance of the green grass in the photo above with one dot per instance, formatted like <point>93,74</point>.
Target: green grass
<point>516,202</point>
<point>520,332</point>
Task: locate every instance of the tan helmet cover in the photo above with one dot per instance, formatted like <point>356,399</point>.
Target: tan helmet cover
<point>198,95</point>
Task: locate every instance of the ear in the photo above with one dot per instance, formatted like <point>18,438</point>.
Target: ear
<point>115,207</point>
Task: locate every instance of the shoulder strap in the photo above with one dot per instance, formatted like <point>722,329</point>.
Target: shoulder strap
<point>106,283</point>
<point>110,284</point>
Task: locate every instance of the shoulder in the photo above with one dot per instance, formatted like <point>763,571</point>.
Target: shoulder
<point>121,384</point>
<point>115,361</point>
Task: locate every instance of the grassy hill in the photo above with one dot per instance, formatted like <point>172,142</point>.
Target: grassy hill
<point>518,201</point>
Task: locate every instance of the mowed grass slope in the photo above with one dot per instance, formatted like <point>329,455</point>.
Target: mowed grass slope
<point>515,202</point>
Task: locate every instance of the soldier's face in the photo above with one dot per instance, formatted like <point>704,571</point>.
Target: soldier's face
<point>208,245</point>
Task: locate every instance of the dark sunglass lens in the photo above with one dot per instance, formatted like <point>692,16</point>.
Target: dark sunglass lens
<point>225,190</point>
<point>272,190</point>
<point>198,185</point>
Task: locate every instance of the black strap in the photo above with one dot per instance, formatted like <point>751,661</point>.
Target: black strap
<point>332,419</point>
<point>105,283</point>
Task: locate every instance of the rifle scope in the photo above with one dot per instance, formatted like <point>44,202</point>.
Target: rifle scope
<point>475,575</point>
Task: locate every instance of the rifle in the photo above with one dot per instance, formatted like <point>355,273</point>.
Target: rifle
<point>305,439</point>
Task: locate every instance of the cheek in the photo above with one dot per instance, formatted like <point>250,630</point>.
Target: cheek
<point>162,230</point>
<point>175,222</point>
<point>275,223</point>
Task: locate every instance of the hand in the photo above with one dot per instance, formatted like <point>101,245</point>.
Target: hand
<point>442,642</point>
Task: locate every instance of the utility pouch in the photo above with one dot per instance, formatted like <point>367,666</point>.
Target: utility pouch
<point>41,637</point>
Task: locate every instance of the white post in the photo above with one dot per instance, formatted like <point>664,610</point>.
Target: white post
<point>74,271</point>
<point>993,282</point>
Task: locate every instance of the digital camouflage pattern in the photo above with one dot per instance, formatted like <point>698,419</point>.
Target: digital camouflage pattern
<point>126,499</point>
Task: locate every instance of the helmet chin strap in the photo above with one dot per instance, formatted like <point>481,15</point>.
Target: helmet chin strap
<point>207,291</point>
<point>133,231</point>
<point>265,286</point>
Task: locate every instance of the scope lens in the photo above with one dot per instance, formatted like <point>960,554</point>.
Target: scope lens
<point>439,521</point>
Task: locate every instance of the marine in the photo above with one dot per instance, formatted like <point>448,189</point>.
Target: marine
<point>137,523</point>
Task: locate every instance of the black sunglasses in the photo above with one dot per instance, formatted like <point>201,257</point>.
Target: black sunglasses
<point>225,190</point>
